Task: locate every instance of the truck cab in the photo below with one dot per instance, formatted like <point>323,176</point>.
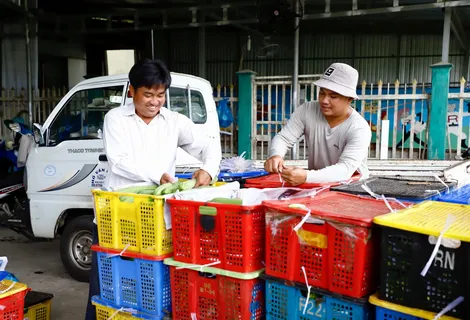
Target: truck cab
<point>68,159</point>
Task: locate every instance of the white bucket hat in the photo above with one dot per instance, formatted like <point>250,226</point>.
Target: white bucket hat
<point>340,78</point>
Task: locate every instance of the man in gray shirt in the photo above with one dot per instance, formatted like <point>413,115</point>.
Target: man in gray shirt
<point>337,136</point>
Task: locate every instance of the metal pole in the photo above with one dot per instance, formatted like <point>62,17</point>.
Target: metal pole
<point>202,48</point>
<point>28,64</point>
<point>446,35</point>
<point>295,75</point>
<point>153,44</point>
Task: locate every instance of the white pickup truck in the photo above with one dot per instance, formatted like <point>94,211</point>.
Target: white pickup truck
<point>68,160</point>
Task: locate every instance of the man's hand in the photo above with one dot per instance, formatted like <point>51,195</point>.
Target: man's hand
<point>166,178</point>
<point>202,178</point>
<point>294,175</point>
<point>274,164</point>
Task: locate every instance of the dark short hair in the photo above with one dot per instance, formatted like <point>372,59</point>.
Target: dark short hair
<point>148,73</point>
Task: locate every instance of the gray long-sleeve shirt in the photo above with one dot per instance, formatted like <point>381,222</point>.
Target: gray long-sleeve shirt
<point>334,154</point>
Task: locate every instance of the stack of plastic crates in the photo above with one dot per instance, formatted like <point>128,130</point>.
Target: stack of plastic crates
<point>327,243</point>
<point>133,242</point>
<point>425,262</point>
<point>400,189</point>
<point>12,300</point>
<point>218,257</point>
<point>37,306</point>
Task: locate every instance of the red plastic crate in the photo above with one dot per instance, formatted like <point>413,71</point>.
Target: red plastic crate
<point>339,252</point>
<point>215,297</point>
<point>12,301</point>
<point>272,181</point>
<point>234,236</point>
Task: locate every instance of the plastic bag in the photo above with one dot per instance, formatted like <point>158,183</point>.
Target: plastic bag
<point>224,113</point>
<point>5,275</point>
<point>237,164</point>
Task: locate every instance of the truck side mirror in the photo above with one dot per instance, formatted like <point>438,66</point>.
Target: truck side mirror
<point>37,133</point>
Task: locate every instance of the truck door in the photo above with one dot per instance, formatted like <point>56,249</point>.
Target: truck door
<point>179,99</point>
<point>63,169</point>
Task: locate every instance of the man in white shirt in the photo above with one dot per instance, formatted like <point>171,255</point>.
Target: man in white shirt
<point>141,140</point>
<point>142,137</point>
<point>337,136</point>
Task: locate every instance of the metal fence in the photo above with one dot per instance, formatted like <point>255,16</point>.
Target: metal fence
<point>397,114</point>
<point>15,103</point>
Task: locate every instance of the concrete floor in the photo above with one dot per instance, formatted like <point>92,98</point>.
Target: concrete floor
<point>38,265</point>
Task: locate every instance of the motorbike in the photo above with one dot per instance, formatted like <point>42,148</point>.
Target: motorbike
<point>14,203</point>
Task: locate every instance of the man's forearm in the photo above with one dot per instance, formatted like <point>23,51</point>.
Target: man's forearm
<point>127,169</point>
<point>279,147</point>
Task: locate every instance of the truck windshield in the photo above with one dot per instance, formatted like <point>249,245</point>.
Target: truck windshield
<point>82,116</point>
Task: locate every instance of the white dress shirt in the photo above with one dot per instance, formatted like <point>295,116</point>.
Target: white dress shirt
<point>138,152</point>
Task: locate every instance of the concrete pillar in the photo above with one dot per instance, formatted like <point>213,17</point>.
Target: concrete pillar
<point>438,111</point>
<point>245,112</point>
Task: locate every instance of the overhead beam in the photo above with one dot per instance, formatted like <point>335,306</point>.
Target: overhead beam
<point>224,17</point>
<point>393,9</point>
<point>165,24</point>
<point>152,12</point>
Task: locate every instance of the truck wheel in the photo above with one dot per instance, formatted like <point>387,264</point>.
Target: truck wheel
<point>75,247</point>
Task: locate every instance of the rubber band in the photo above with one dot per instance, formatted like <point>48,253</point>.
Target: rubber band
<point>120,253</point>
<point>195,266</point>
<point>449,307</point>
<point>308,289</point>
<point>8,289</point>
<point>301,223</point>
<point>128,310</point>
<point>441,181</point>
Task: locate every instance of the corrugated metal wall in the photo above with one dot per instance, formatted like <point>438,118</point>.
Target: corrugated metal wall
<point>385,57</point>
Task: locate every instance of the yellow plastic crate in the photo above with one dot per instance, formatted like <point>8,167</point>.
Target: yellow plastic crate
<point>106,312</point>
<point>429,218</point>
<point>373,299</point>
<point>138,226</point>
<point>40,311</point>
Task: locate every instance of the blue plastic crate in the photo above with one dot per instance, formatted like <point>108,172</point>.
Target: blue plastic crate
<point>228,176</point>
<point>460,195</point>
<point>386,314</point>
<point>288,302</point>
<point>130,281</point>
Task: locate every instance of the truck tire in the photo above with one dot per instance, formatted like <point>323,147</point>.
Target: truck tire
<point>75,247</point>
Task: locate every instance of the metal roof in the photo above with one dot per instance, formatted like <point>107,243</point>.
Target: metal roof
<point>109,15</point>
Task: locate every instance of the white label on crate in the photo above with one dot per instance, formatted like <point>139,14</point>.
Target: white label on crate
<point>193,316</point>
<point>311,307</point>
<point>445,260</point>
<point>446,242</point>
